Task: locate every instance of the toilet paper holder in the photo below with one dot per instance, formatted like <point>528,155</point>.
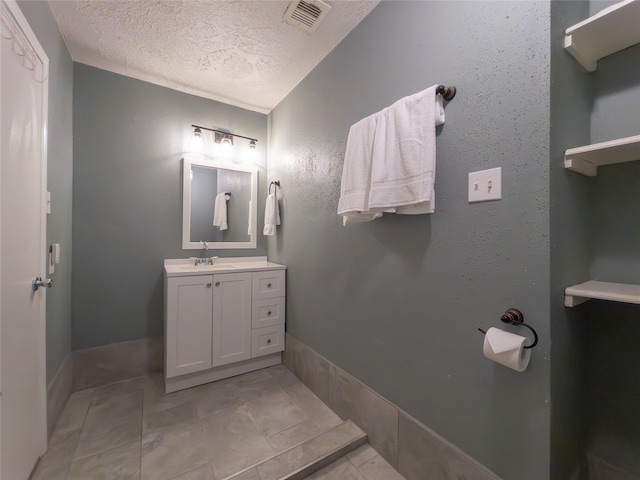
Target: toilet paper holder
<point>515,317</point>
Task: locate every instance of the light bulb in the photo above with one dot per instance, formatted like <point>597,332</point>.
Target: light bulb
<point>197,141</point>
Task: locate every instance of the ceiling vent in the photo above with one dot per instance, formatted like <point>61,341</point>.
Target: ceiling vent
<point>306,14</point>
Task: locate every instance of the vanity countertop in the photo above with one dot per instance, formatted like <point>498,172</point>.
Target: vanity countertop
<point>181,267</point>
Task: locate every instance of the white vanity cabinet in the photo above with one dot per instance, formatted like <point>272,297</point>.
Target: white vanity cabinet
<point>222,320</point>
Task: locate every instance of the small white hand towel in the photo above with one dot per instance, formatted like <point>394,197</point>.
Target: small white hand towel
<point>356,171</point>
<point>403,176</point>
<point>271,215</point>
<point>220,211</point>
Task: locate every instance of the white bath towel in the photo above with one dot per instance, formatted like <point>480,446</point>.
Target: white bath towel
<point>271,215</point>
<point>403,176</point>
<point>356,171</point>
<point>220,211</point>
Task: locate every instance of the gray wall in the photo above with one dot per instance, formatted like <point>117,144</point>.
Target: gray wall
<point>571,203</point>
<point>129,138</point>
<point>60,166</point>
<point>397,302</point>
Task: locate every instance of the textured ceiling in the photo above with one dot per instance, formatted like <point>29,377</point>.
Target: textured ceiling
<point>238,52</point>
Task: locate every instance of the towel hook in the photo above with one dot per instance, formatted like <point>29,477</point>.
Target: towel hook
<point>276,183</point>
<point>515,317</point>
<point>447,92</point>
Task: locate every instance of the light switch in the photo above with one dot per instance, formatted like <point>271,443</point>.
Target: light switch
<point>485,185</point>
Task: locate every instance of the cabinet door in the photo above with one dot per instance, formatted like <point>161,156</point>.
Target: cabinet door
<point>188,324</point>
<point>231,318</point>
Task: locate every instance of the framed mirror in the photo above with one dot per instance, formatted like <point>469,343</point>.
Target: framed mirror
<point>219,204</point>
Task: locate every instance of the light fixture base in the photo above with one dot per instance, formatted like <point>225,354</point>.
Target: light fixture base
<point>221,137</point>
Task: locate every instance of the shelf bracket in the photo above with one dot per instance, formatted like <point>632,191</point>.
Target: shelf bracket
<point>572,300</point>
<point>571,47</point>
<point>576,164</point>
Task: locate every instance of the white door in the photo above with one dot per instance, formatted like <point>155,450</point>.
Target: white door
<point>23,100</point>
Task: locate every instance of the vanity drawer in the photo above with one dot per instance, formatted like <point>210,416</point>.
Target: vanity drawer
<point>269,284</point>
<point>267,340</point>
<point>267,312</point>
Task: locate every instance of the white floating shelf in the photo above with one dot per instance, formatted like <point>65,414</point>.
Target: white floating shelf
<point>587,159</point>
<point>611,30</point>
<point>617,292</point>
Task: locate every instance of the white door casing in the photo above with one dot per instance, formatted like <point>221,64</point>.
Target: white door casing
<point>23,173</point>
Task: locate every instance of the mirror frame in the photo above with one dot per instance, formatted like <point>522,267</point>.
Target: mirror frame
<point>187,163</point>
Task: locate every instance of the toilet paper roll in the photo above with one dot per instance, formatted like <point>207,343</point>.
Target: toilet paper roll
<point>506,349</point>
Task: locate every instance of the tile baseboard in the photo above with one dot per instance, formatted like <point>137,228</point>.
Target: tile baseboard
<point>409,446</point>
<point>93,367</point>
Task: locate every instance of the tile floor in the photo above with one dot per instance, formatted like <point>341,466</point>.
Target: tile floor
<point>133,430</point>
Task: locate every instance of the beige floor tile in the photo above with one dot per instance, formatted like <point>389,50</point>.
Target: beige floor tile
<point>54,464</point>
<point>302,455</point>
<point>274,411</point>
<point>378,469</point>
<point>251,474</point>
<point>132,429</point>
<point>111,421</point>
<point>201,473</point>
<point>219,396</point>
<point>295,435</point>
<point>120,463</point>
<point>361,455</point>
<point>315,409</point>
<point>339,470</point>
<point>169,417</point>
<point>238,442</point>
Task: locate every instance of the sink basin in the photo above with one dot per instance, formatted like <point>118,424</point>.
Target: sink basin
<point>215,266</point>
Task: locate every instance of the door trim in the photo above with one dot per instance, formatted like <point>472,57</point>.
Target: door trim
<point>19,17</point>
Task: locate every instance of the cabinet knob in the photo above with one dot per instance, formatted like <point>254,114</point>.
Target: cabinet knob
<point>268,285</point>
<point>208,285</point>
<point>269,313</point>
<point>269,341</point>
<point>217,284</point>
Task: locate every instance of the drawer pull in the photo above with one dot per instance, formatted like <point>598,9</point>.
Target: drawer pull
<point>269,313</point>
<point>268,285</point>
<point>269,341</point>
<point>209,285</point>
<point>217,284</point>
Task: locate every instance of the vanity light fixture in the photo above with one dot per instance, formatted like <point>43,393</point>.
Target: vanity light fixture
<point>223,138</point>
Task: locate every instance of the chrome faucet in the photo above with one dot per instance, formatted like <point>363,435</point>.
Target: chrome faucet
<point>204,260</point>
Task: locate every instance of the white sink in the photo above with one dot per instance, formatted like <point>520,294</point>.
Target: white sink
<point>215,266</point>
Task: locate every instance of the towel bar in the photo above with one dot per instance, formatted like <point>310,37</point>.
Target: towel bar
<point>447,92</point>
